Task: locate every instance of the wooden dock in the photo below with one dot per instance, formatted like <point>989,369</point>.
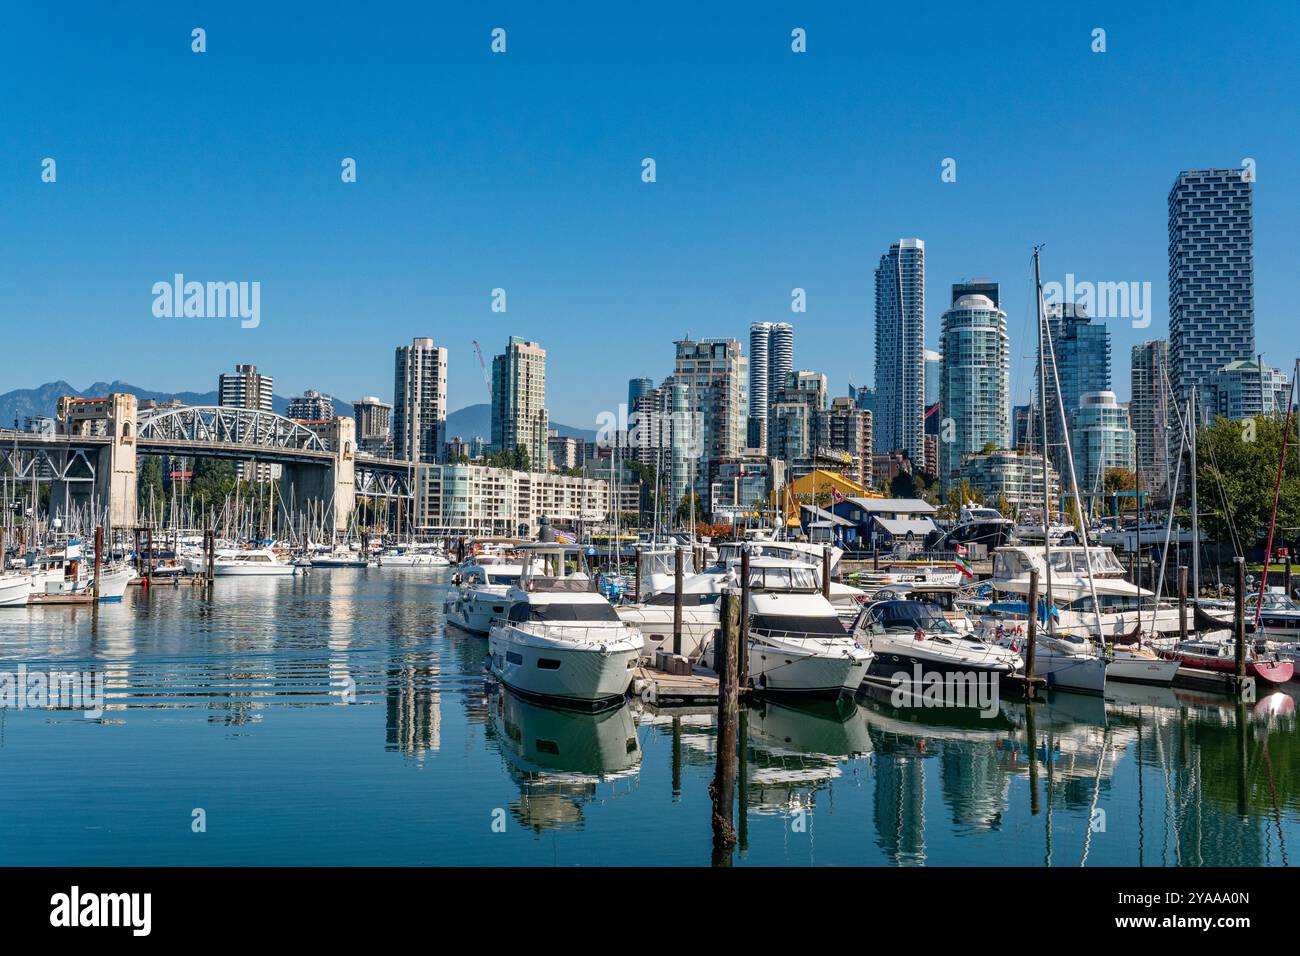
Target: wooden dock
<point>675,690</point>
<point>84,597</point>
<point>1221,682</point>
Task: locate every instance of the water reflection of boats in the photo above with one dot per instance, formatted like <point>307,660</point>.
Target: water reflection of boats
<point>795,749</point>
<point>559,757</point>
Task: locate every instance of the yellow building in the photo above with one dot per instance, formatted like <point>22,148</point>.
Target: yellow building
<point>816,488</point>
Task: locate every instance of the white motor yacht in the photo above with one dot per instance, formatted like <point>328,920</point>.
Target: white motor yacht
<point>413,556</point>
<point>797,643</point>
<point>912,634</point>
<point>481,595</point>
<point>561,640</point>
<point>255,562</point>
<point>15,588</point>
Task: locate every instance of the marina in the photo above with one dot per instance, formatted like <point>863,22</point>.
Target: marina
<point>386,741</point>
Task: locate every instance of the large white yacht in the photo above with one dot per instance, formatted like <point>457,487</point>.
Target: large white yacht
<point>561,640</point>
<point>797,643</point>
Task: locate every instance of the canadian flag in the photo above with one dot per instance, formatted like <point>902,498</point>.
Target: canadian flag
<point>836,496</point>
<point>961,549</point>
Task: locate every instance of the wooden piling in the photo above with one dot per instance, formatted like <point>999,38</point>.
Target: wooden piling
<point>677,601</point>
<point>826,572</point>
<point>723,788</point>
<point>99,560</point>
<point>1031,632</point>
<point>1182,602</point>
<point>1288,574</point>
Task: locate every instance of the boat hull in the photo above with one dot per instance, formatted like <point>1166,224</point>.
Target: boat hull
<point>1142,670</point>
<point>789,669</point>
<point>585,675</point>
<point>14,591</point>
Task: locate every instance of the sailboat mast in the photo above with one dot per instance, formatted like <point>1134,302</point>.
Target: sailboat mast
<point>1042,410</point>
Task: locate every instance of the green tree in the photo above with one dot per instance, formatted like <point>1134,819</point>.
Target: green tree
<point>684,508</point>
<point>149,486</point>
<point>1236,472</point>
<point>213,480</point>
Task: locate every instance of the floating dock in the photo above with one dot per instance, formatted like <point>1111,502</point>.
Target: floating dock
<point>79,598</point>
<point>674,690</point>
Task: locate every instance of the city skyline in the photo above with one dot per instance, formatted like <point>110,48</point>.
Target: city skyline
<point>536,203</point>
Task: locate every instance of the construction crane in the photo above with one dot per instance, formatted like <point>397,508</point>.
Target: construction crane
<point>487,379</point>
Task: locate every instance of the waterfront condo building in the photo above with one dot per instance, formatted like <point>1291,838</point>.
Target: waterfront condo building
<point>1211,277</point>
<point>420,401</point>
<point>900,349</point>
<point>519,417</point>
<point>706,399</point>
<point>477,500</point>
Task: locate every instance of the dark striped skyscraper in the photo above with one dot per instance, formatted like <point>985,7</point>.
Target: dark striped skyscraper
<point>1211,285</point>
<point>771,360</point>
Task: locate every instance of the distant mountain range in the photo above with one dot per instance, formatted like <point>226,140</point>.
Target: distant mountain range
<point>476,421</point>
<point>15,406</point>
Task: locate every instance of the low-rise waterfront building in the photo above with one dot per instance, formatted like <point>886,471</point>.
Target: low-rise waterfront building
<point>477,500</point>
<point>1009,474</point>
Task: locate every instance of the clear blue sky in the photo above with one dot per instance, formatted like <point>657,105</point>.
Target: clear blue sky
<point>522,171</point>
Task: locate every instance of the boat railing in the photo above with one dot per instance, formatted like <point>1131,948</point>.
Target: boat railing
<point>574,631</point>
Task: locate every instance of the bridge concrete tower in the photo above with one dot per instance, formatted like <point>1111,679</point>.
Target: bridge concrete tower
<point>115,418</point>
<point>334,484</point>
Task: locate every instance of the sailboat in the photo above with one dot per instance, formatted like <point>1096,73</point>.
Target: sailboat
<point>1069,661</point>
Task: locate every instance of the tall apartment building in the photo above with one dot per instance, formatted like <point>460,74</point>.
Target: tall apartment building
<point>374,425</point>
<point>709,374</point>
<point>900,349</point>
<point>1152,415</point>
<point>975,383</point>
<point>311,406</point>
<point>1211,276</point>
<point>847,429</point>
<point>771,359</point>
<point>519,417</point>
<point>793,417</point>
<point>248,388</point>
<point>420,401</point>
<point>1081,348</point>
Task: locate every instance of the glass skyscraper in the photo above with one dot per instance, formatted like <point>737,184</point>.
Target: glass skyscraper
<point>1082,351</point>
<point>1103,439</point>
<point>974,382</point>
<point>1211,268</point>
<point>900,349</point>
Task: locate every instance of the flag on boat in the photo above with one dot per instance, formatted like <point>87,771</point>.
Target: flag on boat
<point>962,563</point>
<point>566,537</point>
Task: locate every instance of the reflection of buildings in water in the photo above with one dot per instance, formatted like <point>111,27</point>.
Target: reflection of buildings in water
<point>560,758</point>
<point>975,785</point>
<point>899,806</point>
<point>413,717</point>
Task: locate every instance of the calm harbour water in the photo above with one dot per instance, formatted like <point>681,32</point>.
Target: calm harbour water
<point>241,708</point>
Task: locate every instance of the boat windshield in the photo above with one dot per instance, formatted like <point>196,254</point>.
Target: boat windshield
<point>783,579</point>
<point>500,578</point>
<point>907,616</point>
<point>558,612</point>
<point>791,554</point>
<point>1274,602</point>
<point>827,624</point>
